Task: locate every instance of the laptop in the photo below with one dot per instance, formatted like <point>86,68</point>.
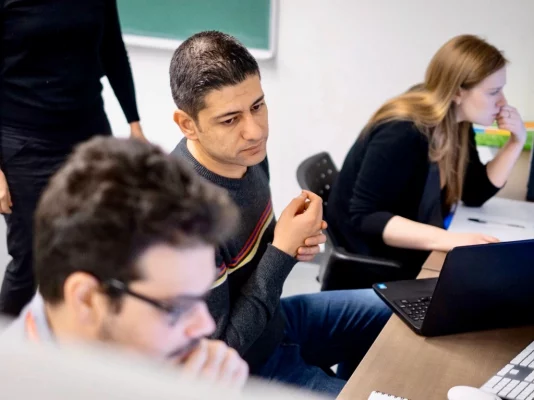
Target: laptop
<point>480,287</point>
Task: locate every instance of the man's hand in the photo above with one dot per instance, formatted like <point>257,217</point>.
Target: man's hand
<point>214,361</point>
<point>5,196</point>
<point>299,226</point>
<point>136,132</point>
<point>311,245</point>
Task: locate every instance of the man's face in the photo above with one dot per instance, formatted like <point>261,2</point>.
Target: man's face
<point>169,274</point>
<point>233,127</point>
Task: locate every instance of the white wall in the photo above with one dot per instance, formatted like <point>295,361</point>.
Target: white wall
<point>337,61</point>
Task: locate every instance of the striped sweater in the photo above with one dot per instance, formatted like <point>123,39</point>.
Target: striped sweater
<point>245,299</point>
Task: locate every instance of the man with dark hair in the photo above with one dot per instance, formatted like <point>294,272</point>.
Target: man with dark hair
<point>222,112</point>
<point>125,240</point>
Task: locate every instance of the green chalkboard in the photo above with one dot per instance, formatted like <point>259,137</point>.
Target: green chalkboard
<point>248,20</point>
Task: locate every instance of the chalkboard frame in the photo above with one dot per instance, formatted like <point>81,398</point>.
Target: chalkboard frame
<point>153,42</point>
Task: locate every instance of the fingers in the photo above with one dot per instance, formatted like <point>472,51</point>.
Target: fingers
<point>5,202</point>
<point>5,196</point>
<point>308,250</point>
<point>215,361</point>
<point>300,225</point>
<point>240,376</point>
<point>297,205</point>
<point>490,239</point>
<point>510,120</point>
<point>305,258</point>
<point>508,108</point>
<point>217,352</point>
<point>5,207</point>
<point>504,122</point>
<point>318,239</point>
<point>509,116</point>
<point>482,239</point>
<point>233,371</point>
<point>308,253</point>
<point>507,113</point>
<point>315,206</point>
<point>196,360</point>
<point>309,202</point>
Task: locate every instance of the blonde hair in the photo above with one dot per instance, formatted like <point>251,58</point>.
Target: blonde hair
<point>461,63</point>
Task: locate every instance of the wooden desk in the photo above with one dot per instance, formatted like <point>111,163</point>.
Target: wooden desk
<point>516,187</point>
<point>405,364</point>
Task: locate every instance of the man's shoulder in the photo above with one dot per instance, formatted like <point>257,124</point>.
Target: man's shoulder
<point>180,149</point>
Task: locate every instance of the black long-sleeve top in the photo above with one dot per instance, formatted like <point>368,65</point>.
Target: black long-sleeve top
<point>386,174</point>
<point>53,54</point>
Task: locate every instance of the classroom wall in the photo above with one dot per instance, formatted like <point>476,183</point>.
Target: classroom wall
<point>337,61</point>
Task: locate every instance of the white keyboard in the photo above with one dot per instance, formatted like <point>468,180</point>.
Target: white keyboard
<point>516,380</point>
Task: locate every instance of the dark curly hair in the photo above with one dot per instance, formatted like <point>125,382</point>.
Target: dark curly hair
<point>112,200</point>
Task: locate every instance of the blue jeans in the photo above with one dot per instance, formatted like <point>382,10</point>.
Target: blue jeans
<point>322,330</point>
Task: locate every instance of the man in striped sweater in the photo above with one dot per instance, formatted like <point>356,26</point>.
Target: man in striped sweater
<point>222,113</point>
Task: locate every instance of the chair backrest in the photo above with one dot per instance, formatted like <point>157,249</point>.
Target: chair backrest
<point>317,174</point>
<point>342,270</point>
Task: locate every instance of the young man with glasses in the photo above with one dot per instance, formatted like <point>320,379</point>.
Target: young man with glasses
<point>124,252</point>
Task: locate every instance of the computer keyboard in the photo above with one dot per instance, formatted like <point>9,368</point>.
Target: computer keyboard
<point>516,380</point>
<point>415,309</point>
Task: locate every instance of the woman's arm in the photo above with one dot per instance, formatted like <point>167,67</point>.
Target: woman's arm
<point>396,154</point>
<point>407,234</point>
<point>484,181</point>
<point>501,166</point>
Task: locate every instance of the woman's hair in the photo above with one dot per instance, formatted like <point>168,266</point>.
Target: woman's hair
<point>461,63</point>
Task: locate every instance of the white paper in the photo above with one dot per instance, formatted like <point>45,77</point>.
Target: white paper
<point>500,215</point>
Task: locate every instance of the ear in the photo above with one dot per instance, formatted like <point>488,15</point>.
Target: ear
<point>82,295</point>
<point>459,96</point>
<point>187,124</point>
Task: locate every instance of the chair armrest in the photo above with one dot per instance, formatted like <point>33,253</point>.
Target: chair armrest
<point>341,254</point>
<point>345,270</point>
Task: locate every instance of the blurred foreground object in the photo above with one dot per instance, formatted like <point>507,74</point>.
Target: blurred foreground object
<point>40,371</point>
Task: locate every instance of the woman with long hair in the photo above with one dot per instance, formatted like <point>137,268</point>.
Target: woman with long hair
<point>417,157</point>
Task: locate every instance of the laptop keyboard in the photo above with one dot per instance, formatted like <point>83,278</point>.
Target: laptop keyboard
<point>414,309</point>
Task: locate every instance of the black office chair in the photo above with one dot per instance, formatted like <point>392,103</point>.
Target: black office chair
<point>341,270</point>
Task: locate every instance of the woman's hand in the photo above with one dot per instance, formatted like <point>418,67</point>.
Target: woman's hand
<point>510,120</point>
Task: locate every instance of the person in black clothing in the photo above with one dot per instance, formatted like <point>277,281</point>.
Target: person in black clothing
<point>52,57</point>
<point>417,157</point>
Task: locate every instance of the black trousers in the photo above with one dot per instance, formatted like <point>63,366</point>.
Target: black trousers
<point>28,163</point>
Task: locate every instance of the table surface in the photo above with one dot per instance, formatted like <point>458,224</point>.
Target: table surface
<point>404,364</point>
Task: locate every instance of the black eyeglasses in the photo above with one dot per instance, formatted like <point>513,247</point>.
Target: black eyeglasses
<point>183,303</point>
